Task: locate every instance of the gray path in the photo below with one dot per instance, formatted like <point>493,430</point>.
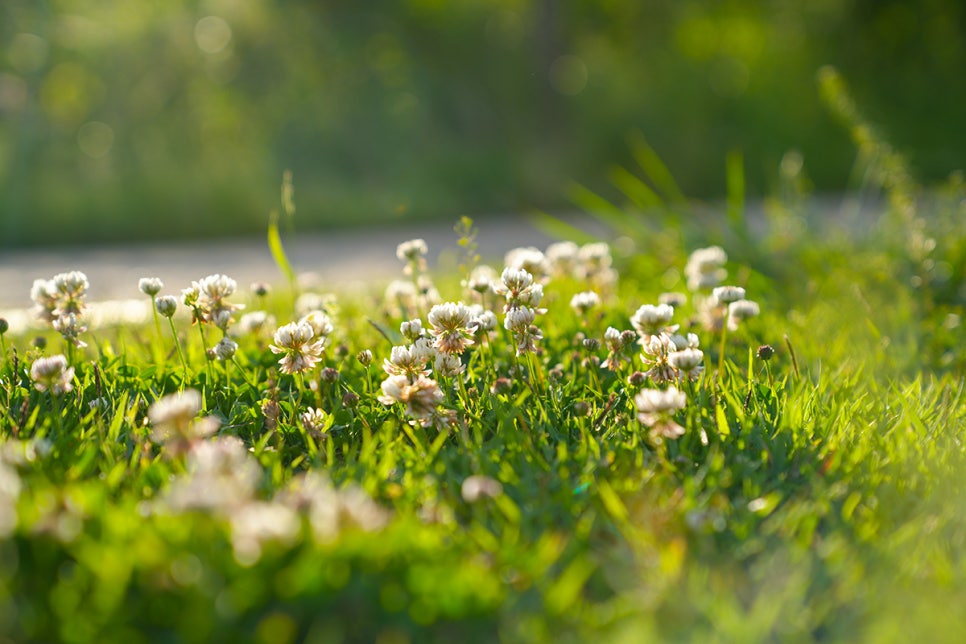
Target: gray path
<point>341,259</point>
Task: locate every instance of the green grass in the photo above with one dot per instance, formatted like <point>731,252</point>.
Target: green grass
<point>815,497</point>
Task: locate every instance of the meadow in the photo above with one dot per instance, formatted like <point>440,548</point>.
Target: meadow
<point>704,427</point>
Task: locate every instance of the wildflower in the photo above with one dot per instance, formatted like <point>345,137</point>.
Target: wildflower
<point>414,250</point>
<point>191,295</point>
<point>501,386</point>
<point>70,326</point>
<point>295,341</point>
<point>650,320</point>
<point>412,329</point>
<point>225,349</point>
<point>477,487</point>
<point>52,374</point>
<point>314,421</point>
<point>481,321</point>
<point>45,300</point>
<point>529,259</point>
<point>150,286</point>
<point>677,300</point>
<point>4,326</point>
<point>765,352</point>
<point>448,364</point>
<point>584,302</point>
<point>260,289</point>
<point>255,322</point>
<point>320,322</point>
<point>70,289</point>
<point>258,522</point>
<point>329,375</point>
<point>655,409</point>
<point>213,292</point>
<point>350,399</point>
<point>655,353</point>
<point>166,305</point>
<point>519,321</point>
<point>689,362</point>
<point>401,297</point>
<point>741,310</point>
<point>450,322</point>
<point>175,422</point>
<point>420,396</point>
<point>409,361</point>
<point>727,294</point>
<point>591,344</point>
<point>221,476</point>
<point>364,357</point>
<point>705,268</point>
<point>481,279</point>
<point>562,258</point>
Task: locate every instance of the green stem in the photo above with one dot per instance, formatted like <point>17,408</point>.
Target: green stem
<point>724,333</point>
<point>184,361</point>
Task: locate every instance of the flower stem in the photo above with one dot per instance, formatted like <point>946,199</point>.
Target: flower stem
<point>184,361</point>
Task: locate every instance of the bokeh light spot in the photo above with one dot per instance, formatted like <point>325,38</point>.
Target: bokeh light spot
<point>95,139</point>
<point>27,52</point>
<point>212,34</point>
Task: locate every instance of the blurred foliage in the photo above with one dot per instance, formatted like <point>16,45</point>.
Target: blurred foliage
<point>117,115</point>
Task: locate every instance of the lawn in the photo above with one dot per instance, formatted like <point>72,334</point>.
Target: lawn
<point>711,428</point>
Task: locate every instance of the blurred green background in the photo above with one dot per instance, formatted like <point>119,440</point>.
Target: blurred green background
<point>135,119</point>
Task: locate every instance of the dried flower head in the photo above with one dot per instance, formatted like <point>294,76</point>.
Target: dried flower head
<point>52,374</point>
<point>301,352</point>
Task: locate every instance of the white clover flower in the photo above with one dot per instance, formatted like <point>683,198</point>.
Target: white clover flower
<point>477,487</point>
<point>221,476</point>
<point>584,302</point>
<point>225,349</point>
<point>150,286</point>
<point>741,310</point>
<point>515,280</point>
<point>650,319</point>
<point>409,361</point>
<point>529,259</point>
<point>52,374</point>
<point>402,297</point>
<point>688,362</point>
<point>320,322</point>
<point>314,421</point>
<point>482,321</point>
<point>616,356</point>
<point>655,352</point>
<point>562,258</point>
<point>45,298</point>
<point>71,288</point>
<point>175,423</point>
<point>255,322</point>
<point>448,364</point>
<point>675,299</point>
<point>727,294</point>
<point>519,319</point>
<point>213,292</point>
<point>421,396</point>
<point>655,409</point>
<point>259,522</point>
<point>412,329</point>
<point>301,352</point>
<point>705,268</point>
<point>412,250</point>
<point>450,322</point>
<point>481,279</point>
<point>69,326</point>
<point>166,305</point>
<point>191,295</point>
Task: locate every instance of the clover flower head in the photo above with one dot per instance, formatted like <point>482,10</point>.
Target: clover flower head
<point>529,259</point>
<point>421,396</point>
<point>519,319</point>
<point>515,280</point>
<point>409,361</point>
<point>412,250</point>
<point>450,326</point>
<point>402,297</point>
<point>320,322</point>
<point>655,409</point>
<point>221,476</point>
<point>562,258</point>
<point>675,299</point>
<point>255,322</point>
<point>481,279</point>
<point>301,352</point>
<point>175,423</point>
<point>448,364</point>
<point>69,326</point>
<point>45,298</point>
<point>52,374</point>
<point>584,302</point>
<point>166,305</point>
<point>650,319</point>
<point>655,352</point>
<point>705,268</point>
<point>725,295</point>
<point>688,362</point>
<point>150,286</point>
<point>314,421</point>
<point>482,321</point>
<point>741,310</point>
<point>412,329</point>
<point>478,487</point>
<point>225,349</point>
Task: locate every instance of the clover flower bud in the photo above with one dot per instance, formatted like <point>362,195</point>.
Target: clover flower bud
<point>166,305</point>
<point>765,352</point>
<point>501,386</point>
<point>637,378</point>
<point>350,400</point>
<point>260,289</point>
<point>591,344</point>
<point>225,349</point>
<point>4,326</point>
<point>150,286</point>
<point>364,357</point>
<point>39,342</point>
<point>412,329</point>
<point>329,375</point>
